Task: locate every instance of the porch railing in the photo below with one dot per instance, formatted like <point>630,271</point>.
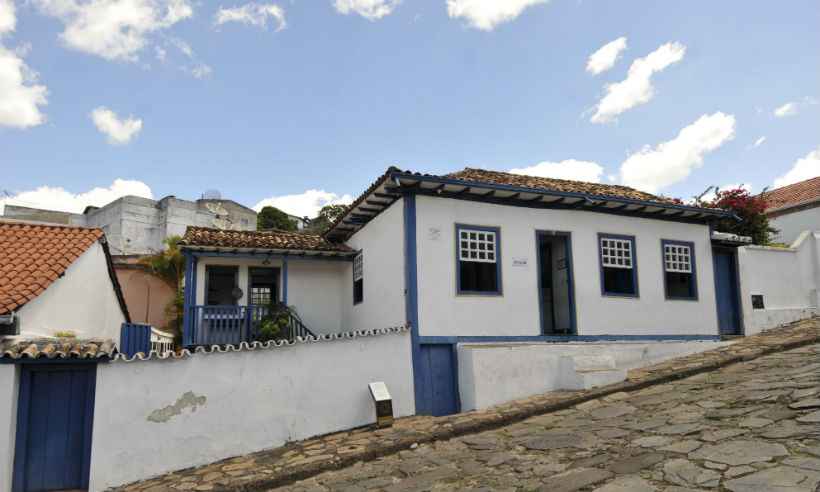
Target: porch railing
<point>224,325</point>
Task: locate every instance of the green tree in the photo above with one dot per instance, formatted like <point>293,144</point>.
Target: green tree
<point>273,218</point>
<point>169,265</point>
<point>750,209</point>
<point>327,216</point>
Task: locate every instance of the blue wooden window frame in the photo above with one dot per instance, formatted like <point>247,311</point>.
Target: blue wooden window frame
<point>497,232</point>
<point>631,239</point>
<point>359,258</point>
<point>694,272</point>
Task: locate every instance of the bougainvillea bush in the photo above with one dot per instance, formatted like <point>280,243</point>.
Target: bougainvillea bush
<point>750,209</point>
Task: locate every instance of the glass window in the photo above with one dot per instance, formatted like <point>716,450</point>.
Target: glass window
<point>618,272</point>
<point>478,266</point>
<point>358,279</point>
<point>679,270</point>
<point>222,287</point>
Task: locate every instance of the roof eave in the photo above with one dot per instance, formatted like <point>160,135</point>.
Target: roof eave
<point>302,253</point>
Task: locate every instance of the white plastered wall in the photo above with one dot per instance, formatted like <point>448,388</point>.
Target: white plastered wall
<point>9,382</point>
<point>792,224</point>
<point>156,416</point>
<point>443,313</point>
<point>787,278</point>
<point>83,301</point>
<point>382,245</point>
<point>490,374</point>
<point>314,288</point>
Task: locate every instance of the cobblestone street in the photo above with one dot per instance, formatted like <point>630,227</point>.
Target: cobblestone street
<point>753,426</point>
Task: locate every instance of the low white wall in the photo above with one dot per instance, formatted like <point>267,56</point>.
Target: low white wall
<point>8,421</point>
<point>490,374</point>
<point>156,416</point>
<point>785,277</point>
<point>82,301</point>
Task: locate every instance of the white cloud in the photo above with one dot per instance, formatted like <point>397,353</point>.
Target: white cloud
<point>670,162</point>
<point>20,94</point>
<point>119,131</point>
<point>306,204</point>
<point>567,169</point>
<point>636,88</point>
<point>487,14</point>
<point>606,56</point>
<point>8,17</point>
<point>58,198</point>
<point>788,109</point>
<point>199,71</point>
<point>254,14</point>
<point>114,29</point>
<point>369,9</point>
<point>712,194</point>
<point>804,168</point>
<point>760,141</point>
<point>161,53</point>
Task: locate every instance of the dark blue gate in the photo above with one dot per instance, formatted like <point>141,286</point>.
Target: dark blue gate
<point>439,380</point>
<point>727,292</point>
<point>55,415</point>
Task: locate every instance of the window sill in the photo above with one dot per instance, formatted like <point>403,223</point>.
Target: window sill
<point>620,296</point>
<point>472,293</point>
<point>690,299</point>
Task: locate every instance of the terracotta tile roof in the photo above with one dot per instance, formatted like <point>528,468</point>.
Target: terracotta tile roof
<point>61,348</point>
<point>32,256</point>
<point>275,240</point>
<point>553,184</point>
<point>793,194</point>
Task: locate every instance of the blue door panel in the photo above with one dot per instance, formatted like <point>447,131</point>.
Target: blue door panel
<point>726,291</point>
<point>439,388</point>
<point>55,415</point>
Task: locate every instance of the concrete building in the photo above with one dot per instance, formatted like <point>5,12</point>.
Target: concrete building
<point>793,209</point>
<point>137,226</point>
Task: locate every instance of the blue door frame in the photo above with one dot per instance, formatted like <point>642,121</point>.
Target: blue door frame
<point>55,416</point>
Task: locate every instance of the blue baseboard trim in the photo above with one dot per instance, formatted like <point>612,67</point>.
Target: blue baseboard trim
<point>567,338</point>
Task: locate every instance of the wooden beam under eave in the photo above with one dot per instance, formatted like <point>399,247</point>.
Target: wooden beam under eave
<point>369,210</point>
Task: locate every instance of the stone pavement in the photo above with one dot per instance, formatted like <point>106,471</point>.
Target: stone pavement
<point>543,437</point>
<point>753,426</point>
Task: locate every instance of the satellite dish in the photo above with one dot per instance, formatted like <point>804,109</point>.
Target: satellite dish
<point>212,195</point>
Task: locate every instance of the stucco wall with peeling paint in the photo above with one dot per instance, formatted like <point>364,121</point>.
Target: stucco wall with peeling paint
<point>156,416</point>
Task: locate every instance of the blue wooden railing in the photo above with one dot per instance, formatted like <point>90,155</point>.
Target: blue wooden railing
<point>224,325</point>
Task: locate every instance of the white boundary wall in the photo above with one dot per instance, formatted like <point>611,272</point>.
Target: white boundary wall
<point>9,382</point>
<point>490,374</point>
<point>156,416</point>
<point>787,278</point>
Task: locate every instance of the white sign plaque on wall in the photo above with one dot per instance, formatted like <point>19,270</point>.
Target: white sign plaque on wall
<point>434,233</point>
<point>519,261</point>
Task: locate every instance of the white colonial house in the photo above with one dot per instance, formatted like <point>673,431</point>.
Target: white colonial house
<point>472,257</point>
<point>57,280</point>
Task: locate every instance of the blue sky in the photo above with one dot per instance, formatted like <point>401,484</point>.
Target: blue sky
<point>345,88</point>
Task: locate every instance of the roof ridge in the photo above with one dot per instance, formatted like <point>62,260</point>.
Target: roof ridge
<point>23,222</point>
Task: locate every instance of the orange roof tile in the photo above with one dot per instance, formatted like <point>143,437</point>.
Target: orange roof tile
<point>274,240</point>
<point>32,256</point>
<point>793,194</point>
